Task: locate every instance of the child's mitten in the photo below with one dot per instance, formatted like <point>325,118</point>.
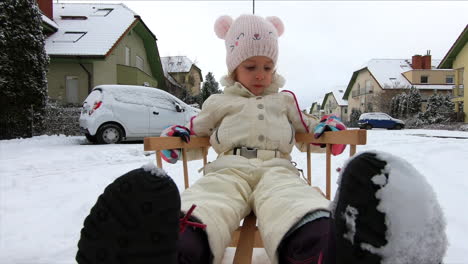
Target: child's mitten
<point>330,123</point>
<point>173,155</point>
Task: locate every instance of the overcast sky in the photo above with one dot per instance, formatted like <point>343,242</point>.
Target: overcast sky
<point>324,41</point>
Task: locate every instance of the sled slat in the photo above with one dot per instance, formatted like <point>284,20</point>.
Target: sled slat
<point>184,161</point>
<point>245,245</point>
<point>247,237</point>
<point>328,172</point>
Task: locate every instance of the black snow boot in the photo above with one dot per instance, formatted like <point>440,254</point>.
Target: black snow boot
<point>135,220</point>
<point>386,212</point>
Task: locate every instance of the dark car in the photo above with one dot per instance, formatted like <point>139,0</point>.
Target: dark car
<point>379,120</point>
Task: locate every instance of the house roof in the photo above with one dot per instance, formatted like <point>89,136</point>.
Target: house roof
<point>173,64</point>
<point>89,29</point>
<point>447,61</point>
<point>49,22</point>
<point>337,92</point>
<point>388,73</point>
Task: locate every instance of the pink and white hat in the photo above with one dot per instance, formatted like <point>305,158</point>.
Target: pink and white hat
<point>249,36</point>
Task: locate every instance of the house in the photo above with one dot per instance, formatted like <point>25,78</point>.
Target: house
<point>457,59</point>
<point>182,73</point>
<point>98,44</point>
<point>315,109</point>
<point>372,87</point>
<point>333,103</point>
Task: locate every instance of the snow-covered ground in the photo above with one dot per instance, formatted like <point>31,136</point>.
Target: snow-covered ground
<point>49,183</point>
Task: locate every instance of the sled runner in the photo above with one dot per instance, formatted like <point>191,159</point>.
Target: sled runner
<point>247,237</point>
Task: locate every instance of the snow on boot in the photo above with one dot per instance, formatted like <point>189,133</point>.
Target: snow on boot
<point>386,212</point>
<point>135,220</point>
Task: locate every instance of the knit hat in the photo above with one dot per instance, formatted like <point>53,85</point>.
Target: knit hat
<point>249,36</point>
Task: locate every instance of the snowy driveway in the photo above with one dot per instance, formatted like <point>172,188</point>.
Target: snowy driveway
<point>49,183</point>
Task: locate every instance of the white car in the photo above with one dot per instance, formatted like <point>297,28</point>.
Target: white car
<point>113,113</point>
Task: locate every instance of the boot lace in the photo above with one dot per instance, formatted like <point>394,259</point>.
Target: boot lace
<point>184,221</point>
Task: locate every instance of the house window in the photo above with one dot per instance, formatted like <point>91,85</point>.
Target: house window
<point>345,110</point>
<point>369,87</point>
<point>127,56</point>
<point>449,79</point>
<point>139,62</point>
<point>424,79</point>
<point>71,36</point>
<point>369,107</point>
<point>73,17</point>
<point>103,11</point>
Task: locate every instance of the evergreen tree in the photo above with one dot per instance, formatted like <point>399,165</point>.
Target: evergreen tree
<point>395,106</point>
<point>440,109</point>
<point>210,86</point>
<point>23,65</point>
<point>403,106</point>
<point>414,101</point>
<point>354,117</point>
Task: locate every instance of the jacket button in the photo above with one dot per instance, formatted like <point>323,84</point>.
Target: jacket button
<point>261,138</point>
<point>261,117</point>
<point>260,106</point>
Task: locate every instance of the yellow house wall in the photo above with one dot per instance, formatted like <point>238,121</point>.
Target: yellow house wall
<point>434,76</point>
<point>184,77</point>
<point>354,102</point>
<point>137,48</point>
<point>461,61</point>
<point>56,77</point>
<point>195,88</point>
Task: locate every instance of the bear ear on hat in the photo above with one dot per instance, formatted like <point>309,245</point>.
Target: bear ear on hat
<point>222,25</point>
<point>276,21</point>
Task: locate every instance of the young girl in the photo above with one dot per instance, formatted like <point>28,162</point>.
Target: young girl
<point>140,218</point>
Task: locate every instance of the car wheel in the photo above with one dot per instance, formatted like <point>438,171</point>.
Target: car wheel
<point>92,139</point>
<point>397,127</point>
<point>368,126</point>
<point>109,134</point>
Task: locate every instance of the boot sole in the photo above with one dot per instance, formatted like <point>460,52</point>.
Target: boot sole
<point>135,220</point>
<point>358,223</point>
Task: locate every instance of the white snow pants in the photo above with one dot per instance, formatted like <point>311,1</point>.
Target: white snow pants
<point>233,186</point>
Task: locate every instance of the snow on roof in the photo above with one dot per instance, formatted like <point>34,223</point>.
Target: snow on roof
<point>49,21</point>
<point>389,72</point>
<point>88,29</point>
<point>338,92</point>
<point>434,86</point>
<point>176,64</point>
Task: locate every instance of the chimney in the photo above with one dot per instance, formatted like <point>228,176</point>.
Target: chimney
<point>416,62</point>
<point>426,61</point>
<point>46,7</point>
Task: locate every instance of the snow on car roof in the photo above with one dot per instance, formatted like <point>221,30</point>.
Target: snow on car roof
<point>142,95</point>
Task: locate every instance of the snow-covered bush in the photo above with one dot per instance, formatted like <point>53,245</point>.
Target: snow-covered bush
<point>406,104</point>
<point>61,119</point>
<point>354,118</point>
<point>440,109</point>
<point>23,64</point>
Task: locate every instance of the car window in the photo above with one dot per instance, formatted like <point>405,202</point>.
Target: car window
<point>93,97</point>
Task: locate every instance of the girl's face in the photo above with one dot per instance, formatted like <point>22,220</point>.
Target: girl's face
<point>255,74</point>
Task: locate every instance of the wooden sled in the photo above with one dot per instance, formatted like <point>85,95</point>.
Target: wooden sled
<point>247,237</point>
